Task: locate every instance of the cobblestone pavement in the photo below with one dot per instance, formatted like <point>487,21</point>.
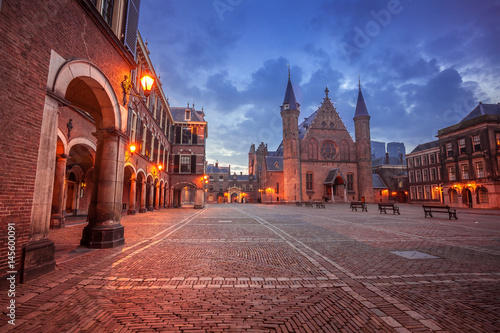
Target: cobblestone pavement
<point>258,268</point>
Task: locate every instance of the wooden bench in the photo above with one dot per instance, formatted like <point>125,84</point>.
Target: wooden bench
<point>428,210</point>
<point>298,204</point>
<point>358,204</point>
<point>320,205</point>
<point>383,207</point>
<point>308,204</point>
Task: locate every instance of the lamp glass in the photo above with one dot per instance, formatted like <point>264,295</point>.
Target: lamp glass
<point>147,84</point>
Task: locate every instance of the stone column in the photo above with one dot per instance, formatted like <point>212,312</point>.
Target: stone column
<point>38,253</point>
<point>199,199</point>
<point>57,218</point>
<point>131,200</point>
<point>162,196</point>
<point>157,196</point>
<point>143,198</point>
<point>104,229</point>
<point>151,197</point>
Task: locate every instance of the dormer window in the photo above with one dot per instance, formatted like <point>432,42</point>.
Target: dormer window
<point>187,116</point>
<point>286,106</point>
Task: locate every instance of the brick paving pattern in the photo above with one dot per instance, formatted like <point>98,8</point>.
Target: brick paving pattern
<point>257,268</point>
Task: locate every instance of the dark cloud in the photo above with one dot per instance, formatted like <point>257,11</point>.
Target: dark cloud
<point>422,68</point>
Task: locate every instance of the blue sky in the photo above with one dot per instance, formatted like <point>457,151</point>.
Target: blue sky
<point>423,64</point>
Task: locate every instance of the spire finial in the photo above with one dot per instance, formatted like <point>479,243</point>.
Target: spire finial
<point>327,91</point>
<point>188,104</point>
<point>288,70</point>
<point>359,82</point>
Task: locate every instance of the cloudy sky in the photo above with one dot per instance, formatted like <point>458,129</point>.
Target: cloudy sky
<point>423,64</point>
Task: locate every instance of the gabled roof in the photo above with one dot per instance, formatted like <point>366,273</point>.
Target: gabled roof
<point>425,146</point>
<point>483,109</point>
<point>378,182</point>
<point>274,163</point>
<point>179,114</point>
<point>213,169</point>
<point>304,126</point>
<point>361,109</point>
<point>332,175</point>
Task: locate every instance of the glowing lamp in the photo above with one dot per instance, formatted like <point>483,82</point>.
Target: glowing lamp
<point>132,148</point>
<point>160,167</point>
<point>147,84</point>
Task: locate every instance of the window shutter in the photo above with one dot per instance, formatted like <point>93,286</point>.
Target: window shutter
<point>193,163</point>
<point>129,122</point>
<point>195,135</point>
<point>138,137</point>
<point>148,143</point>
<point>178,134</point>
<point>130,40</point>
<point>176,163</point>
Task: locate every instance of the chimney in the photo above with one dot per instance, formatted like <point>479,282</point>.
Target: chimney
<point>217,164</point>
<point>386,158</point>
<point>241,173</point>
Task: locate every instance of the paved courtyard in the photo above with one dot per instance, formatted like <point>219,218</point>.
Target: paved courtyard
<point>258,268</point>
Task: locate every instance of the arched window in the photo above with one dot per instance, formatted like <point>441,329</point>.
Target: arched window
<point>482,195</point>
<point>453,195</point>
<point>344,151</point>
<point>313,149</point>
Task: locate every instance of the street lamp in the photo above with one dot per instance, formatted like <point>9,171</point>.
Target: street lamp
<point>147,82</point>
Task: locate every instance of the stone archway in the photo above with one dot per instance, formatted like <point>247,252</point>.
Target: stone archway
<point>234,194</point>
<point>85,87</point>
<point>80,85</point>
<point>141,192</point>
<point>129,190</point>
<point>184,194</point>
<point>150,193</point>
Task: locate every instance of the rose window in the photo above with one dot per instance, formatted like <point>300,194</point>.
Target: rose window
<point>328,150</point>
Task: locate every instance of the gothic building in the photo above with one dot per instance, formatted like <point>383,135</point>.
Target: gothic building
<point>317,159</point>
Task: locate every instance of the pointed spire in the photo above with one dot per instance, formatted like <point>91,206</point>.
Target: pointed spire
<point>289,99</point>
<point>361,109</point>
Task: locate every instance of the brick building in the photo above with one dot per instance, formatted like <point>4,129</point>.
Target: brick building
<point>393,174</point>
<point>424,173</point>
<point>470,156</point>
<point>226,187</point>
<point>317,159</point>
<point>75,110</point>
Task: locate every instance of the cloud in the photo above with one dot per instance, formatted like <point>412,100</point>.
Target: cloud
<point>423,70</point>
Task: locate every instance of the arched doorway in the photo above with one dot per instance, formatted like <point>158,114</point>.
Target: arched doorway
<point>140,198</point>
<point>335,186</point>
<point>467,197</point>
<point>184,195</point>
<point>78,188</point>
<point>87,91</point>
<point>150,192</point>
<point>129,191</point>
<point>453,196</point>
<point>234,194</point>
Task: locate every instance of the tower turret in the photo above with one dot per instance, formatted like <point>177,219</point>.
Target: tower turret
<point>291,154</point>
<point>363,149</point>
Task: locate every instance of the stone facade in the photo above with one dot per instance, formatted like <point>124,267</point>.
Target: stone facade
<point>310,152</point>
